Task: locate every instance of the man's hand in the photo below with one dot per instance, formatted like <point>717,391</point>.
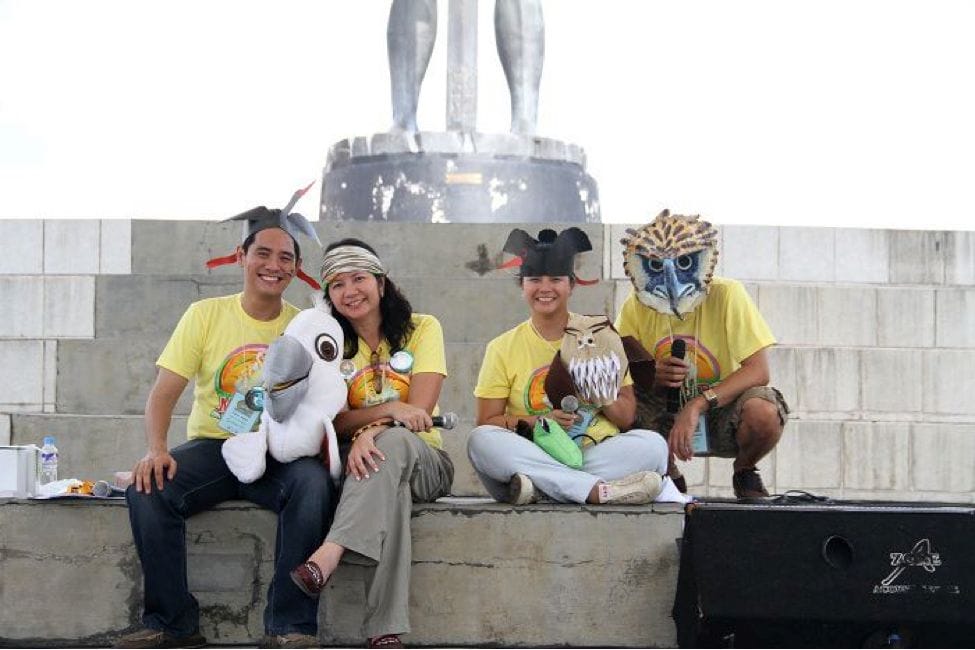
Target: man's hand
<point>681,436</point>
<point>670,372</point>
<point>153,465</point>
<point>363,454</point>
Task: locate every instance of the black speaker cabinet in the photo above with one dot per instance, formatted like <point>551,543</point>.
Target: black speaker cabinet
<point>801,573</point>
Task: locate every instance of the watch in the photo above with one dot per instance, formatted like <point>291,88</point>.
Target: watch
<point>711,397</point>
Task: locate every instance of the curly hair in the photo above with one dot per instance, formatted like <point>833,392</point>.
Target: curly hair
<point>395,311</point>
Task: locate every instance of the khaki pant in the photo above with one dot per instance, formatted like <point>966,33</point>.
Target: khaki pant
<point>722,422</point>
<point>373,520</point>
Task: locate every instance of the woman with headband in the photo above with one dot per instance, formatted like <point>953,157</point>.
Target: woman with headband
<point>394,366</point>
<point>619,467</point>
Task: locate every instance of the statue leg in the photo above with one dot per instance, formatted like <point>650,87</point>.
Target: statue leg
<point>520,36</point>
<point>410,34</point>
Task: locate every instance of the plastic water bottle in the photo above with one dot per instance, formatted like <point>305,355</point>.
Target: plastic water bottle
<point>49,461</point>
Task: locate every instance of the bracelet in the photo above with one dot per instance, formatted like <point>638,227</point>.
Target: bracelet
<point>364,428</point>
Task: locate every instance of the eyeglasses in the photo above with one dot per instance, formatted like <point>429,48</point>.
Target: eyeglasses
<point>378,373</point>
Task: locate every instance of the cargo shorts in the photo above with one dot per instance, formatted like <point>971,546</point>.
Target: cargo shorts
<point>722,422</point>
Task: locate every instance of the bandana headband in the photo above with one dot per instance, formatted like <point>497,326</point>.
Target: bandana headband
<point>344,259</point>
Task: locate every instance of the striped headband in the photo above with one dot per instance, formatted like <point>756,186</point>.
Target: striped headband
<point>343,259</point>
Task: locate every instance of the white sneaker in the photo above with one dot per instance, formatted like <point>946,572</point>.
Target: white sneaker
<point>635,489</point>
<point>521,490</point>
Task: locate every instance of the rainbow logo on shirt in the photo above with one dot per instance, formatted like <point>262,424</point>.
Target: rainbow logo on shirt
<point>536,401</point>
<point>708,368</point>
<point>238,373</point>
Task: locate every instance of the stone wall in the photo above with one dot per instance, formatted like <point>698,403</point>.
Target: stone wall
<point>876,332</point>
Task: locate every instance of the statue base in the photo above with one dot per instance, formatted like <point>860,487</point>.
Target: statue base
<point>458,178</point>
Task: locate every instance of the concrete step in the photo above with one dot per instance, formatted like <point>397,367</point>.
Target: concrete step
<point>891,460</point>
<point>483,575</point>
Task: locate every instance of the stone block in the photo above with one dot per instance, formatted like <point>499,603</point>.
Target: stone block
<point>782,372</point>
<point>621,291</point>
<point>955,315</point>
<point>751,252</point>
<point>25,253</point>
<point>847,316</point>
<point>463,365</point>
<point>71,246</point>
<point>960,260</point>
<point>69,306</point>
<point>905,317</point>
<point>941,458</point>
<point>695,474</point>
<point>948,382</point>
<point>809,456</point>
<point>144,306</point>
<point>109,376</point>
<point>889,380</point>
<point>407,249</point>
<point>5,429</point>
<point>917,257</point>
<point>23,364</point>
<point>115,246</point>
<point>50,375</point>
<point>827,380</point>
<point>876,456</point>
<point>92,446</point>
<point>791,311</point>
<point>862,255</point>
<point>466,483</point>
<point>23,299</point>
<point>614,249</point>
<point>807,254</point>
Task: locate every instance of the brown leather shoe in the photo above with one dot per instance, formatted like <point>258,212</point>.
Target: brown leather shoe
<point>148,638</point>
<point>309,578</point>
<point>748,484</point>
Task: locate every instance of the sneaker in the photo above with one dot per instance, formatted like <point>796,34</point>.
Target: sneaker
<point>521,490</point>
<point>385,641</point>
<point>292,640</point>
<point>635,489</point>
<point>748,484</point>
<point>148,638</point>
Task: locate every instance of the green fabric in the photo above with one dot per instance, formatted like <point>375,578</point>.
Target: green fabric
<point>552,438</point>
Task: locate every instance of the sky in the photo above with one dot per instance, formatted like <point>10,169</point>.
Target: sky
<point>817,113</point>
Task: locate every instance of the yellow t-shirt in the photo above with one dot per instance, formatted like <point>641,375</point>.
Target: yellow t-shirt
<point>219,346</point>
<point>425,354</point>
<point>515,367</point>
<point>724,330</point>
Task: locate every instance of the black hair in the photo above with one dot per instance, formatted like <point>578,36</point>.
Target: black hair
<point>251,237</point>
<point>395,311</point>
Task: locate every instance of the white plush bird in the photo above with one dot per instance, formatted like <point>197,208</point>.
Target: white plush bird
<point>303,391</point>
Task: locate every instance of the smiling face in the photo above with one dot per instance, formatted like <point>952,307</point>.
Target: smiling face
<point>355,294</point>
<point>547,295</point>
<point>269,263</point>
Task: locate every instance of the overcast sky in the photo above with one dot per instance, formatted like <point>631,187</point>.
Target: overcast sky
<point>825,112</point>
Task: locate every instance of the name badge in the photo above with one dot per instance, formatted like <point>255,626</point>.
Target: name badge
<point>699,443</point>
<point>239,417</point>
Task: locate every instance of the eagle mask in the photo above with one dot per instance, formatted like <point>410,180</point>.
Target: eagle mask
<point>671,262</point>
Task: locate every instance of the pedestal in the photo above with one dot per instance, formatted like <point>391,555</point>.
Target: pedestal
<point>458,177</point>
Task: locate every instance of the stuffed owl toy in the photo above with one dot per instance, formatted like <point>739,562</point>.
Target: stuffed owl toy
<point>303,390</point>
<point>671,262</point>
<point>592,362</point>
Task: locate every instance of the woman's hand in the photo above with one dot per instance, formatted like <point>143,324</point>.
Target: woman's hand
<point>363,454</point>
<point>565,419</point>
<point>412,417</point>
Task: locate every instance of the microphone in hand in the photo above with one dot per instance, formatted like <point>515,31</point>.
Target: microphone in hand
<point>677,350</point>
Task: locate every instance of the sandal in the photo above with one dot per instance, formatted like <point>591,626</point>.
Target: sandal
<point>385,641</point>
<point>309,578</point>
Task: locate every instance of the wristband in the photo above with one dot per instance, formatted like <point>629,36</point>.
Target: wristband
<point>374,423</point>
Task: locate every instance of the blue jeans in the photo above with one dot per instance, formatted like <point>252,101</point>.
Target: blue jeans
<point>302,494</point>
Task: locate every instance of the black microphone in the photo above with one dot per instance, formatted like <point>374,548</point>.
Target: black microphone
<point>677,350</point>
<point>446,421</point>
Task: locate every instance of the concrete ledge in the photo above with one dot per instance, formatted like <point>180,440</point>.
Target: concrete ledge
<point>483,574</point>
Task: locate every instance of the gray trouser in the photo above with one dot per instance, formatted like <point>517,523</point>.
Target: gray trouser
<point>373,519</point>
<point>497,454</point>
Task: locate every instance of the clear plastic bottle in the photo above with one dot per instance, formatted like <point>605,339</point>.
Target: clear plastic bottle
<point>49,461</point>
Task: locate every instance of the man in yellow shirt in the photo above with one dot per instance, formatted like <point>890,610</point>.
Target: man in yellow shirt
<point>220,344</point>
<point>720,403</point>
